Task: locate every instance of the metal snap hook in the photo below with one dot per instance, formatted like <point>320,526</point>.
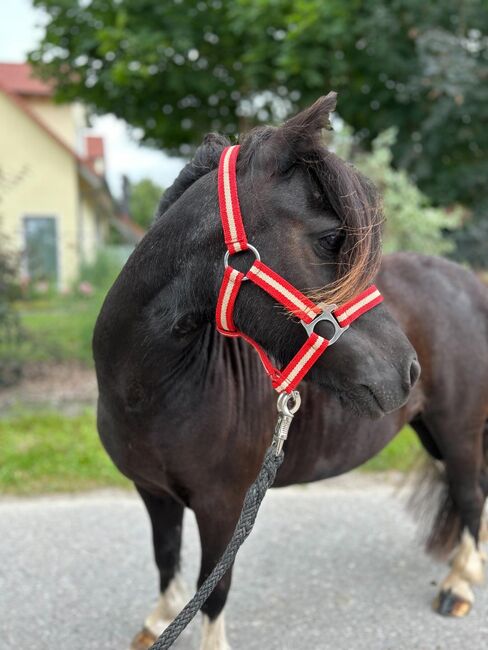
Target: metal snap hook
<point>287,405</point>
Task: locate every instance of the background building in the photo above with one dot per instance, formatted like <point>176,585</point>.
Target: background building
<point>55,204</point>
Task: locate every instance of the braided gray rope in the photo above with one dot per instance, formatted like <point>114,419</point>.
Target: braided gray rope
<point>252,501</point>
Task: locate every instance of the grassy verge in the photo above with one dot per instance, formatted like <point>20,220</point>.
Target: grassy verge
<point>399,455</point>
<point>45,452</point>
<point>59,327</point>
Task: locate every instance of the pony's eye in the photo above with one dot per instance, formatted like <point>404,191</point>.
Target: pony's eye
<point>332,241</point>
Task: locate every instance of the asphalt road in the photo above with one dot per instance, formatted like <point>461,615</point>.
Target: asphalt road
<point>333,568</point>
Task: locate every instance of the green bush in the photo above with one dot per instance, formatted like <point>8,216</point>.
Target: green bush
<point>412,223</point>
<point>11,334</point>
<point>144,198</point>
<point>101,273</point>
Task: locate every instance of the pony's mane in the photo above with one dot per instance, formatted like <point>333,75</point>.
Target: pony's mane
<point>206,159</point>
<point>350,195</point>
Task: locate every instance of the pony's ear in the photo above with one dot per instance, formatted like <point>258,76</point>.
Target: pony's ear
<point>312,119</point>
<point>299,134</point>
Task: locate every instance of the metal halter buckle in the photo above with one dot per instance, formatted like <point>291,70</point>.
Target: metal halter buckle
<point>249,248</point>
<point>329,317</point>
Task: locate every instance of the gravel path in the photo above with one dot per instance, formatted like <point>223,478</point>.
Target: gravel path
<point>69,387</point>
<point>332,567</point>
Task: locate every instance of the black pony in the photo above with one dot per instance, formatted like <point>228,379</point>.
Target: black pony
<point>177,399</point>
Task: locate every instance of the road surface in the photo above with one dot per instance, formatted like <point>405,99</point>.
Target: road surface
<point>328,567</point>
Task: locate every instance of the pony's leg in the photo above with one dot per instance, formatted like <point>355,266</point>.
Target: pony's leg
<point>484,485</point>
<point>166,516</point>
<point>216,522</point>
<point>456,596</point>
<point>457,525</point>
<point>484,530</point>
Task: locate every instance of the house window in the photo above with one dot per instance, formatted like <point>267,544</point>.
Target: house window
<point>41,254</point>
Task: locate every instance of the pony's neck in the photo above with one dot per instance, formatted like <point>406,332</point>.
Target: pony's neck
<point>170,273</point>
<point>216,365</point>
<point>155,340</point>
<point>156,333</point>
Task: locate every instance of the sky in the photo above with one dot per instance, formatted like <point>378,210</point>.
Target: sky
<point>20,30</point>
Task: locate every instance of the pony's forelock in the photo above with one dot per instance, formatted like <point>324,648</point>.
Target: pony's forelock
<point>357,205</point>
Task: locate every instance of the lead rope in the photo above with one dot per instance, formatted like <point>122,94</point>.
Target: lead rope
<point>288,405</point>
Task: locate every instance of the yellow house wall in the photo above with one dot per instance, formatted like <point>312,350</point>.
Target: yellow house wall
<point>38,178</point>
<point>91,232</point>
<point>63,119</point>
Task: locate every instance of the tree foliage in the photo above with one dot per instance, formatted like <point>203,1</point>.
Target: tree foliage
<point>143,200</point>
<point>177,69</point>
<point>411,222</point>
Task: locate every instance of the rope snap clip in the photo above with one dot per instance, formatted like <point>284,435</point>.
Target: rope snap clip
<point>287,405</point>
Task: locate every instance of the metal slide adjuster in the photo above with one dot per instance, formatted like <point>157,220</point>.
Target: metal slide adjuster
<point>329,317</point>
<point>249,248</point>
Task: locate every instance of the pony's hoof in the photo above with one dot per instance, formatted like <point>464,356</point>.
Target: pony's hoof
<point>143,640</point>
<point>447,603</point>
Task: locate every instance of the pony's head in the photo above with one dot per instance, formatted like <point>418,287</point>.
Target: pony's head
<point>317,222</point>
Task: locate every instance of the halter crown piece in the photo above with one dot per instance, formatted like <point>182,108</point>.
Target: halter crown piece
<point>292,299</point>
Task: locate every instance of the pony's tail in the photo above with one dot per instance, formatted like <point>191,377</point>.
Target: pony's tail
<point>434,509</point>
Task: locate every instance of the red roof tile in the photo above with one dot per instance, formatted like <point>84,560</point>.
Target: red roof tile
<point>17,78</point>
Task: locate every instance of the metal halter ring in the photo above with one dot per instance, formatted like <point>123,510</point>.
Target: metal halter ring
<point>250,248</point>
<point>329,317</point>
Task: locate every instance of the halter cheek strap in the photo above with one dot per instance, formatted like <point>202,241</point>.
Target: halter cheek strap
<point>294,301</point>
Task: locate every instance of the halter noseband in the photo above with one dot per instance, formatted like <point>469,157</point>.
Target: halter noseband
<point>282,291</point>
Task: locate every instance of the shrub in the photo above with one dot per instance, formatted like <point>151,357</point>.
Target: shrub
<point>11,334</point>
<point>412,222</point>
<point>99,275</point>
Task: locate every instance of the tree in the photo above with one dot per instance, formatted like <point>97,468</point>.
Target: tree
<point>144,197</point>
<point>179,69</point>
<point>411,222</point>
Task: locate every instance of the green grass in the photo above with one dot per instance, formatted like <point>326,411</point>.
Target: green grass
<point>399,455</point>
<point>58,329</point>
<point>44,451</point>
<point>63,333</point>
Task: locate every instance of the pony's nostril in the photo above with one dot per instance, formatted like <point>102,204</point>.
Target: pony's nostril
<point>414,372</point>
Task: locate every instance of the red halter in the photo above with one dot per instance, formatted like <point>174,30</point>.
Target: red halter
<point>293,300</point>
